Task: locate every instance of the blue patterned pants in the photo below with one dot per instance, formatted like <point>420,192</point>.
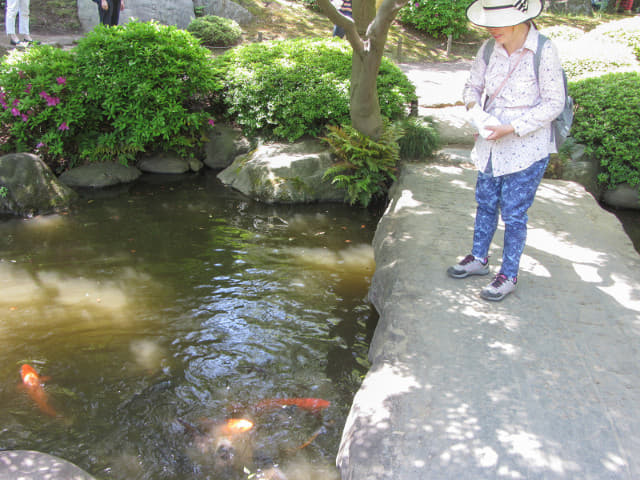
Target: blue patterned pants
<point>511,195</point>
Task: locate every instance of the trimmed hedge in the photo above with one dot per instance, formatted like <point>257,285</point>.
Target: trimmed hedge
<point>288,89</point>
<point>216,31</point>
<point>606,121</point>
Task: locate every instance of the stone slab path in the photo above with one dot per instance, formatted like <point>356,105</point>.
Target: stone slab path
<point>544,385</point>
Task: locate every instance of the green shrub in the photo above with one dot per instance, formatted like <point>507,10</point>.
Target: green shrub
<point>38,104</point>
<point>606,121</point>
<point>121,91</point>
<point>216,31</point>
<point>420,139</point>
<point>287,89</point>
<point>365,168</point>
<point>438,18</point>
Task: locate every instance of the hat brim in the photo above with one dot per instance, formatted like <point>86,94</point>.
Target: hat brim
<point>503,17</point>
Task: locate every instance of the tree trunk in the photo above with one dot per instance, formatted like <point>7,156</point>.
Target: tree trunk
<point>365,105</point>
<point>367,34</point>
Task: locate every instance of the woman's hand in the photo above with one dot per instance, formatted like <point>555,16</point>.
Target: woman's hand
<point>499,131</point>
<point>104,5</point>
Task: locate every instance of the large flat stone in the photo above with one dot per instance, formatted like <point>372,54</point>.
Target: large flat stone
<point>544,385</point>
<point>32,465</point>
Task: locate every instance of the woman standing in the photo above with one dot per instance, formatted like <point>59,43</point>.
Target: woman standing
<point>18,8</point>
<point>513,153</point>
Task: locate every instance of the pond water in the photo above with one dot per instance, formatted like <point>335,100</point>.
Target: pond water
<point>160,312</point>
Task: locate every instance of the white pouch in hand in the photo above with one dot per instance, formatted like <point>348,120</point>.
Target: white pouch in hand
<point>481,119</point>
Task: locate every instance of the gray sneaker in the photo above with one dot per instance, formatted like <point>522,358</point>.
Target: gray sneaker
<point>499,288</point>
<point>469,265</point>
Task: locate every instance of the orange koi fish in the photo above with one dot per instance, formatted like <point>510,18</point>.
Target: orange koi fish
<point>314,405</point>
<point>236,425</point>
<point>33,383</point>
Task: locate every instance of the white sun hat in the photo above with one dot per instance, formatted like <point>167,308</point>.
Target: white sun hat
<point>503,13</point>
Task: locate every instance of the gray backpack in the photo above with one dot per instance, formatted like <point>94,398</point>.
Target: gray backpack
<point>561,126</point>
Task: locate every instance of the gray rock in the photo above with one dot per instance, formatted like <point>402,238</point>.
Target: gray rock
<point>32,188</point>
<point>284,173</point>
<point>164,162</point>
<point>225,9</point>
<point>99,175</point>
<point>32,465</point>
<point>224,145</point>
<point>622,196</point>
<point>167,12</point>
<point>450,122</point>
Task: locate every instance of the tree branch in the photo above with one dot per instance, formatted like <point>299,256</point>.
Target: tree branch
<point>384,18</point>
<point>344,22</point>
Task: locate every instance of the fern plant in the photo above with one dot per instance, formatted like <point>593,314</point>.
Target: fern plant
<point>365,167</point>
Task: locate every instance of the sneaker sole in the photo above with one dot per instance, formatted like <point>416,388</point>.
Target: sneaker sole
<point>453,274</point>
<point>493,298</point>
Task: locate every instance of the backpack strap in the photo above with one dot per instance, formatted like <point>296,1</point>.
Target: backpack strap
<point>488,50</point>
<point>536,59</point>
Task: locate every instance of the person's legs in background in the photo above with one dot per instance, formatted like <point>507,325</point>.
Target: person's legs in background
<point>23,19</point>
<point>10,21</point>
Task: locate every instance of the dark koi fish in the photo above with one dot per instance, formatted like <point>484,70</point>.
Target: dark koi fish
<point>34,385</point>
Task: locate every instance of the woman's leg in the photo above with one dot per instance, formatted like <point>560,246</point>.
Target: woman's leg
<point>488,199</point>
<point>517,195</point>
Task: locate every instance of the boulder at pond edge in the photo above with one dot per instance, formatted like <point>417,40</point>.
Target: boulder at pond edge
<point>31,187</point>
<point>98,175</point>
<point>284,173</point>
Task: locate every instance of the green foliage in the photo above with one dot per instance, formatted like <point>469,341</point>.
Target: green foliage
<point>606,121</point>
<point>420,139</point>
<point>438,18</point>
<point>3,192</point>
<point>365,167</point>
<point>38,104</point>
<point>287,89</point>
<point>121,91</point>
<point>216,31</point>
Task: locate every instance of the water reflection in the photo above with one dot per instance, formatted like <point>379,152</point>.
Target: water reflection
<point>184,304</point>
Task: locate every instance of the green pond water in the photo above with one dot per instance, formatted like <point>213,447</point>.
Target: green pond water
<point>161,311</point>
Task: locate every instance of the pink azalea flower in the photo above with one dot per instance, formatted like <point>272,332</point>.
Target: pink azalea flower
<point>16,102</point>
<point>212,122</point>
<point>28,89</point>
<point>52,101</point>
<point>44,94</point>
<point>15,112</point>
<point>61,80</point>
<point>64,126</point>
<point>24,117</point>
<point>40,145</point>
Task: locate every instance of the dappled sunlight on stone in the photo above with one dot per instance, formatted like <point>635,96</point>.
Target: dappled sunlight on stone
<point>534,267</point>
<point>587,273</point>
<point>532,450</point>
<point>507,349</point>
<point>560,192</point>
<point>553,242</point>
<point>624,292</point>
<point>405,200</point>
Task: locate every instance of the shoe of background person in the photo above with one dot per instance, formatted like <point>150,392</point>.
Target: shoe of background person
<point>499,288</point>
<point>469,265</point>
